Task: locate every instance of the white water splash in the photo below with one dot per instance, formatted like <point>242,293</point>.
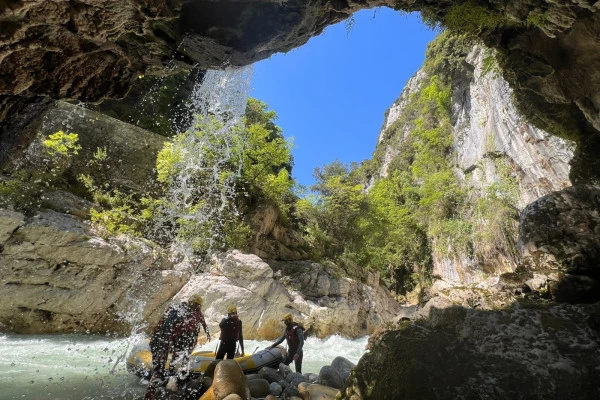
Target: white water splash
<point>84,367</point>
<point>202,191</point>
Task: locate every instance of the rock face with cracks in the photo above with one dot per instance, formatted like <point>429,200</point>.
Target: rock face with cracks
<point>91,50</point>
<point>458,353</point>
<point>57,275</point>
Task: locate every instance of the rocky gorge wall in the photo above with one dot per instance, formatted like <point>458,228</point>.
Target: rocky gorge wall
<point>491,140</point>
<point>59,275</point>
<point>548,51</point>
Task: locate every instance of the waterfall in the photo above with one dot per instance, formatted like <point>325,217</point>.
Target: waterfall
<point>206,162</point>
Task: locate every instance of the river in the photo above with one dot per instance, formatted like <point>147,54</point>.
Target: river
<point>89,367</point>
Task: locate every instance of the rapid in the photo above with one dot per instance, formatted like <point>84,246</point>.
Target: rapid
<point>86,367</point>
<point>90,367</point>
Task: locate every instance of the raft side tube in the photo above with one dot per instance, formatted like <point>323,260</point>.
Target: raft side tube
<point>139,361</point>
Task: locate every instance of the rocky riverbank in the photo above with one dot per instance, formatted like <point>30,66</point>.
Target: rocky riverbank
<point>227,381</point>
<point>59,275</point>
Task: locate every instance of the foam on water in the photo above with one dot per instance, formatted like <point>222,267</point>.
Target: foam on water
<point>89,367</point>
<point>65,367</point>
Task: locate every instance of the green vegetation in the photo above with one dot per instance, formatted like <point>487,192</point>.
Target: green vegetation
<point>24,189</point>
<point>390,229</point>
<point>472,17</point>
<point>419,212</point>
<point>253,164</point>
<point>61,146</point>
<point>490,64</point>
<point>537,19</point>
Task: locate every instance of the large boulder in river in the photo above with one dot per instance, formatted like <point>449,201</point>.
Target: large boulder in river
<point>560,232</point>
<point>524,352</point>
<point>58,275</point>
<point>325,303</point>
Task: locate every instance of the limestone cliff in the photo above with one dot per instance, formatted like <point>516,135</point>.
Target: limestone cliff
<point>493,144</point>
<point>508,335</point>
<point>58,275</point>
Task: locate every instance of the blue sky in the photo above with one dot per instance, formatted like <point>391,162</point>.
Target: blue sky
<point>331,94</point>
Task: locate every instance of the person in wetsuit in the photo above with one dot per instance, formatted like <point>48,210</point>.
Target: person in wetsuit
<point>231,333</point>
<point>294,335</point>
<point>176,332</point>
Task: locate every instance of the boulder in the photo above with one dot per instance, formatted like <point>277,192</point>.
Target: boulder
<point>329,376</point>
<point>229,379</point>
<point>259,387</point>
<point>58,276</point>
<point>343,367</point>
<point>67,203</point>
<point>294,377</point>
<point>524,352</point>
<point>310,377</point>
<point>270,374</point>
<point>561,232</point>
<point>320,392</point>
<point>275,389</point>
<point>233,396</point>
<point>290,391</point>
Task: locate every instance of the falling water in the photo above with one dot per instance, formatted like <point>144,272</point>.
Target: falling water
<point>200,196</point>
<point>93,367</point>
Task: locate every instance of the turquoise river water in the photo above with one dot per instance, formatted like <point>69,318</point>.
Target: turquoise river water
<point>90,367</point>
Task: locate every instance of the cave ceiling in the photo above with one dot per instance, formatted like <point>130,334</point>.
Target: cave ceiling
<point>90,50</point>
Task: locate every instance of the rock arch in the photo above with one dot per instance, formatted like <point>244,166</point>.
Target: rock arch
<point>92,50</point>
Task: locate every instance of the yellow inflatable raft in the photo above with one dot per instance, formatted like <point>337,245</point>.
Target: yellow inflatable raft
<point>139,361</point>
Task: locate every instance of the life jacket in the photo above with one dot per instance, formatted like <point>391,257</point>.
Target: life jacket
<point>291,335</point>
<point>230,329</point>
<point>179,322</point>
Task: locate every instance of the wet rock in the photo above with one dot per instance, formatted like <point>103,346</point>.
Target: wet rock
<point>259,387</point>
<point>343,367</point>
<point>310,377</point>
<point>561,232</point>
<point>294,377</point>
<point>329,376</point>
<point>233,396</point>
<point>67,203</point>
<point>270,374</point>
<point>290,392</point>
<point>275,389</point>
<point>284,370</point>
<point>320,392</point>
<point>60,277</point>
<point>527,352</point>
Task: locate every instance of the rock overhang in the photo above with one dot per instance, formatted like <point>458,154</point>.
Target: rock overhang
<point>89,51</point>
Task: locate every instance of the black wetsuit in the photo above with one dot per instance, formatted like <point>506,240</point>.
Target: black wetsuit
<point>231,333</point>
<point>294,335</point>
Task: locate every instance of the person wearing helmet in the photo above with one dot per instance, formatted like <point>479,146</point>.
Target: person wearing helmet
<point>231,333</point>
<point>294,335</point>
<point>176,332</point>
